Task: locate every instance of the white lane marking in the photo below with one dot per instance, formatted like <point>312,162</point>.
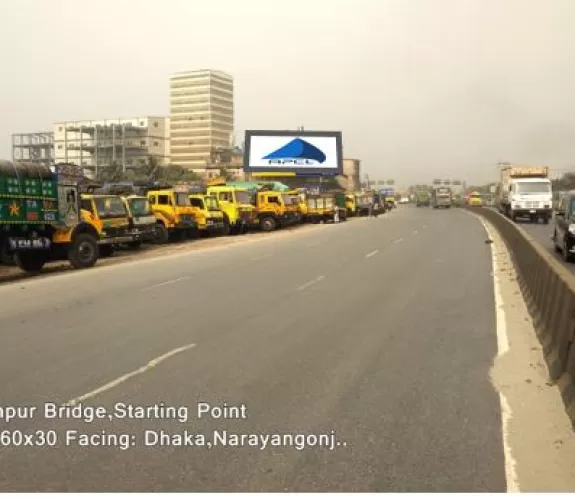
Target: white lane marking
<point>399,240</point>
<point>502,348</point>
<point>316,244</point>
<point>312,282</point>
<point>171,282</point>
<point>148,366</point>
<point>371,254</point>
<point>261,257</point>
<point>415,232</point>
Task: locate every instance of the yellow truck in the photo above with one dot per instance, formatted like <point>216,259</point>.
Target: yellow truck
<point>322,207</point>
<point>209,217</point>
<point>235,203</point>
<point>299,200</point>
<point>275,209</point>
<point>108,215</point>
<point>174,214</point>
<point>351,205</point>
<point>142,220</point>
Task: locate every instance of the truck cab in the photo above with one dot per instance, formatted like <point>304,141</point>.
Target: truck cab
<point>209,217</point>
<point>109,217</point>
<point>174,214</point>
<point>235,203</point>
<point>275,209</point>
<point>142,219</point>
<point>351,205</point>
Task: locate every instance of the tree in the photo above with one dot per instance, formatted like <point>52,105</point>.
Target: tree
<point>111,173</point>
<point>226,174</point>
<point>151,170</point>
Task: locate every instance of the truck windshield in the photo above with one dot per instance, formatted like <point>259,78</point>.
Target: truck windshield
<point>110,207</point>
<point>140,207</point>
<point>242,197</point>
<point>197,202</point>
<point>182,200</point>
<point>211,203</point>
<point>534,187</point>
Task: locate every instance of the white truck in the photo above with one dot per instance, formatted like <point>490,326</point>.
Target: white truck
<point>525,191</point>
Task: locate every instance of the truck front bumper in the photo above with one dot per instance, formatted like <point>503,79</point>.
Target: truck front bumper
<point>532,212</point>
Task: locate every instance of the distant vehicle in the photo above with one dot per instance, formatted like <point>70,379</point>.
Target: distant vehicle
<point>441,197</point>
<point>564,230</point>
<point>526,192</point>
<point>403,200</point>
<point>422,199</point>
<point>475,199</point>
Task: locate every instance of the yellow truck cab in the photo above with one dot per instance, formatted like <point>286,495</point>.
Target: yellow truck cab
<point>141,218</point>
<point>174,214</point>
<point>209,217</point>
<point>107,214</point>
<point>239,213</point>
<point>272,209</point>
<point>351,205</point>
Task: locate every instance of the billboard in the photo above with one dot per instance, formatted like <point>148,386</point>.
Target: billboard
<point>302,152</point>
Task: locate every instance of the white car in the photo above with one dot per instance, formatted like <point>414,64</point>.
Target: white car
<point>404,200</point>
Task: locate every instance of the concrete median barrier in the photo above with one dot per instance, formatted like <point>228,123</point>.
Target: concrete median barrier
<point>549,291</point>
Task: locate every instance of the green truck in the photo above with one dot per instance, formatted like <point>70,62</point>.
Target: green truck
<point>422,198</point>
<point>41,217</point>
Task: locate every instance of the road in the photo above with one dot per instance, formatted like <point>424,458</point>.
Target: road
<point>377,329</point>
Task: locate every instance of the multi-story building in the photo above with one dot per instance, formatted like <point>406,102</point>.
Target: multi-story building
<point>125,141</point>
<point>35,147</point>
<point>201,117</point>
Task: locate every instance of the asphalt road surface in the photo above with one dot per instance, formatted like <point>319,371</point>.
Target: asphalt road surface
<point>381,330</point>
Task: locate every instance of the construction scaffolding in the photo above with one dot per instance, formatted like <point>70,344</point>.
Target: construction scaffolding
<point>34,147</point>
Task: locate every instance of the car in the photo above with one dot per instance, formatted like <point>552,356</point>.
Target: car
<point>564,226</point>
<point>404,200</point>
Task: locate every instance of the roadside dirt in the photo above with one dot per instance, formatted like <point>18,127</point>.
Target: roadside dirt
<point>9,274</point>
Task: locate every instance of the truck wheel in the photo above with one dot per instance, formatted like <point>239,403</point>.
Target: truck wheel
<point>32,261</point>
<point>84,251</point>
<point>546,220</point>
<point>268,224</point>
<point>513,216</point>
<point>161,234</point>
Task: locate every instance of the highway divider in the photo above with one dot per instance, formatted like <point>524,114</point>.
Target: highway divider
<point>549,291</point>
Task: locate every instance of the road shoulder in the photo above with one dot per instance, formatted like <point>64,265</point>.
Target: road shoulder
<point>540,440</point>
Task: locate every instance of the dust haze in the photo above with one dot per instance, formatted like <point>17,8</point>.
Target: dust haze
<point>419,88</point>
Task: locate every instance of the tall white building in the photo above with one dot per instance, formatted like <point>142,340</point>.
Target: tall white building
<point>201,117</point>
<point>126,141</point>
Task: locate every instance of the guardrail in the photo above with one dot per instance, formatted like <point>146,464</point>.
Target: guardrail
<point>549,291</point>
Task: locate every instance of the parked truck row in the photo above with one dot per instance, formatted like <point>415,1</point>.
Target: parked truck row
<point>56,213</point>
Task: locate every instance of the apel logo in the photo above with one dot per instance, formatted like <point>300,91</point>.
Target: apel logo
<point>296,152</point>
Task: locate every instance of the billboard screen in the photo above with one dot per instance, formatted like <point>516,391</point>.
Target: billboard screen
<point>303,152</point>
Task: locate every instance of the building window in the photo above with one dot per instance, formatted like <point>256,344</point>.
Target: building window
<point>141,124</point>
<point>142,143</point>
<point>59,146</point>
<point>156,124</point>
<point>59,129</point>
<point>156,143</point>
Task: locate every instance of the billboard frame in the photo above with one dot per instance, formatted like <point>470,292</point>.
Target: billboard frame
<point>289,169</point>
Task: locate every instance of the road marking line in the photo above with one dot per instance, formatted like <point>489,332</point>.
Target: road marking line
<point>166,283</point>
<point>261,257</point>
<point>502,347</point>
<point>316,244</point>
<point>415,232</point>
<point>312,282</point>
<point>398,240</point>
<point>148,366</point>
<point>371,254</point>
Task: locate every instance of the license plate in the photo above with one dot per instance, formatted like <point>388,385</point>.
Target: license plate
<point>29,243</point>
<point>531,211</point>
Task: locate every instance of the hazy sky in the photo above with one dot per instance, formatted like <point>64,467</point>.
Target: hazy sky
<point>419,88</point>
